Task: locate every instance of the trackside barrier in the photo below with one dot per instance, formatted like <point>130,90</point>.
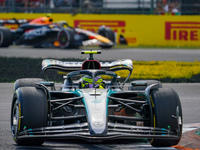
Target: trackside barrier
<point>149,30</point>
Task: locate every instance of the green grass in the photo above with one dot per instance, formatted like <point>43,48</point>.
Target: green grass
<point>165,71</point>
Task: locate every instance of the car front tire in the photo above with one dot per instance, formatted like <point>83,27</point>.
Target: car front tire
<point>29,110</point>
<point>167,113</point>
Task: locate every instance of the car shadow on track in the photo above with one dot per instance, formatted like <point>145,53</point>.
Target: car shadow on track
<point>80,144</point>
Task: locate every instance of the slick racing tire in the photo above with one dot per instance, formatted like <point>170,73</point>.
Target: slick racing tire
<point>167,114</point>
<point>29,110</point>
<point>24,82</point>
<point>108,33</point>
<point>5,37</point>
<point>66,38</point>
<point>135,87</point>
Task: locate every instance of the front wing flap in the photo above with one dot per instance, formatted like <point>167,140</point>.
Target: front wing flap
<point>114,131</point>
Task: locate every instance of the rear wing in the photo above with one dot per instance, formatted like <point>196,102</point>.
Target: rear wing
<point>68,66</point>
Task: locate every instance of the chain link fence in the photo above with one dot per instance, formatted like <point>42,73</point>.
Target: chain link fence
<point>158,7</point>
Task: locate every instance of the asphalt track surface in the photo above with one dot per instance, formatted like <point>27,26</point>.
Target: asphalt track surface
<point>189,94</point>
<point>109,54</point>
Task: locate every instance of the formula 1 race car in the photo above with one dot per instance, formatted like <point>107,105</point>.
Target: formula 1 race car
<point>93,105</point>
<point>42,32</point>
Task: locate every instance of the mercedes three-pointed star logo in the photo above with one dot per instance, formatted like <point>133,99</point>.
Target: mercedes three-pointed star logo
<point>98,124</point>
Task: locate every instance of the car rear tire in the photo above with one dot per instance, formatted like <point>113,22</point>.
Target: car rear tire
<point>29,110</point>
<point>108,33</point>
<point>66,38</point>
<point>5,37</point>
<point>27,82</point>
<point>167,113</point>
<point>148,82</point>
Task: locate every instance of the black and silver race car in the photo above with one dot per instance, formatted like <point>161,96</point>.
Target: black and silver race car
<point>43,109</point>
<point>43,32</point>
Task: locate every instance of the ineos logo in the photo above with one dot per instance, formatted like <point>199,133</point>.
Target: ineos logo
<point>98,124</point>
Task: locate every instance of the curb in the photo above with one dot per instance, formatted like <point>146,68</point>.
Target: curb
<point>190,138</point>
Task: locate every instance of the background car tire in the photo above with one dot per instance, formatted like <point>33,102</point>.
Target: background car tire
<point>148,82</point>
<point>5,37</point>
<point>108,33</point>
<point>66,38</point>
<point>29,110</point>
<point>25,82</point>
<point>165,102</point>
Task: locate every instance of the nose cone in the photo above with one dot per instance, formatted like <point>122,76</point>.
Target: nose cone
<point>98,125</point>
<point>96,107</point>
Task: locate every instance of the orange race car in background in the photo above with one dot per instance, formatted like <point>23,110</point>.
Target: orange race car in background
<point>43,32</point>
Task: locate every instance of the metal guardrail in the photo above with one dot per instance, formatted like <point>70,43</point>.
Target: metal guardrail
<point>186,7</point>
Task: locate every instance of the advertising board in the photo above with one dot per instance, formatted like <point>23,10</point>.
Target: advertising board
<point>145,30</point>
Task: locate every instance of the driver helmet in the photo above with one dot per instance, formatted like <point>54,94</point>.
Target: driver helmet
<point>87,82</point>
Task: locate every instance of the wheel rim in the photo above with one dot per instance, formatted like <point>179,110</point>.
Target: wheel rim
<point>15,119</point>
<point>63,39</point>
